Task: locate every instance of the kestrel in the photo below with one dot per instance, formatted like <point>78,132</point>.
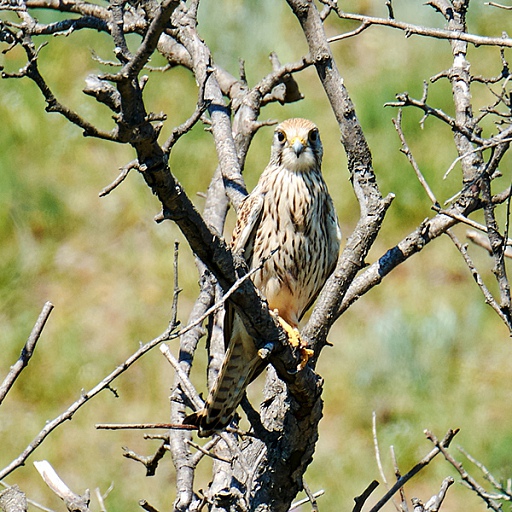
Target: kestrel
<point>288,229</point>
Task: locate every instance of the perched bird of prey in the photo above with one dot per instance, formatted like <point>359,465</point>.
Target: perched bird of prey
<point>288,229</point>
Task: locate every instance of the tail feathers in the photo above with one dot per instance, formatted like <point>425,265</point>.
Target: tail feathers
<point>222,402</point>
<point>240,366</point>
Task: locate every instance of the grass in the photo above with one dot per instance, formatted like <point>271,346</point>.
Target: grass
<point>421,350</point>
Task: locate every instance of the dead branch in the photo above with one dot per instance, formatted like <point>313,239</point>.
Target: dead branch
<point>415,470</point>
<point>411,29</point>
<point>466,477</point>
<point>26,352</point>
<point>74,502</point>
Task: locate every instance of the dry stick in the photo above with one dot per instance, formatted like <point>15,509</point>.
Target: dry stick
<point>377,450</point>
<point>490,145</point>
<point>31,71</point>
<point>361,499</point>
<point>85,397</point>
<point>460,218</point>
<point>134,164</point>
<point>100,499</point>
<point>140,426</point>
<point>416,469</point>
<point>468,479</point>
<point>488,476</point>
<point>177,290</point>
<point>411,29</point>
<point>74,502</point>
<point>185,127</point>
<point>489,299</point>
<point>500,6</point>
<point>398,474</point>
<point>498,245</point>
<point>26,352</point>
<point>187,386</point>
<point>311,496</point>
<point>303,501</point>
<point>377,455</point>
<point>147,506</point>
<point>483,241</point>
<point>407,152</point>
<point>150,462</point>
<point>206,451</point>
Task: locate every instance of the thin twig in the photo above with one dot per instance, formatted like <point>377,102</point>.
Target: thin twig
<point>377,450</point>
<point>403,501</point>
<point>134,164</point>
<point>461,218</point>
<point>507,495</point>
<point>74,502</point>
<point>186,385</point>
<point>466,477</point>
<point>141,426</point>
<point>75,406</point>
<point>483,241</point>
<point>415,470</point>
<point>489,299</point>
<point>176,289</point>
<point>407,152</point>
<point>303,501</point>
<point>311,496</point>
<point>410,29</point>
<point>361,499</point>
<point>26,352</point>
<point>500,6</point>
<point>206,451</point>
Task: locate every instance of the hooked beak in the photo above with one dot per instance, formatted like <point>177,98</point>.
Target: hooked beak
<point>297,146</point>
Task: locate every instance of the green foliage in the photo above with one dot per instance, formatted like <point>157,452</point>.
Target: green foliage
<point>422,350</point>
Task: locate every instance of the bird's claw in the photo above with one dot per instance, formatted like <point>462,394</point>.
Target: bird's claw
<point>295,341</point>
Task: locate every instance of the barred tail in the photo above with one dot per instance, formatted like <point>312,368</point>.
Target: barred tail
<point>240,366</point>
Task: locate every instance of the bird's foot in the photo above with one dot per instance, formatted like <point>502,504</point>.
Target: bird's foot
<point>295,341</point>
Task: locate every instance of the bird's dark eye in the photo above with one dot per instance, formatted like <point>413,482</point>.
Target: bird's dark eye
<point>281,137</point>
<point>313,135</point>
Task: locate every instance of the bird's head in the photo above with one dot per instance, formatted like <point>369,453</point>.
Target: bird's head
<point>297,145</point>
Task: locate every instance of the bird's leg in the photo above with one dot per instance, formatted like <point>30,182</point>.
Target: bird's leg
<point>295,340</point>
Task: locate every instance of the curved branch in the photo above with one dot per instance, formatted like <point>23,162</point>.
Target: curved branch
<point>410,29</point>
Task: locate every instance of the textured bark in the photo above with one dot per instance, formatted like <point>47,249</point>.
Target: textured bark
<point>263,471</point>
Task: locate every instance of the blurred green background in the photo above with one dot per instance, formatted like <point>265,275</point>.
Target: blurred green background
<point>422,350</point>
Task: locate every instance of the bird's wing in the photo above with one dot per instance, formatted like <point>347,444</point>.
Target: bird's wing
<point>248,218</point>
<point>241,362</point>
<point>242,241</point>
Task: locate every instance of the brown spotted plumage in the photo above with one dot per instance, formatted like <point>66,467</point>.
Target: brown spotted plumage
<point>288,227</point>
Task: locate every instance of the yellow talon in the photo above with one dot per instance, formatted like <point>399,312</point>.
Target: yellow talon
<point>295,341</point>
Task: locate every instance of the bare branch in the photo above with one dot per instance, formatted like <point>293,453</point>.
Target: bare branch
<point>407,152</point>
<point>466,477</point>
<point>505,493</point>
<point>75,406</point>
<point>134,164</point>
<point>299,503</point>
<point>415,470</point>
<point>410,29</point>
<point>361,499</point>
<point>186,385</point>
<point>27,351</point>
<point>74,502</point>
<point>150,462</point>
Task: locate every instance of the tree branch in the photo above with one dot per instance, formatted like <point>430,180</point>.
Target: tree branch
<point>26,352</point>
